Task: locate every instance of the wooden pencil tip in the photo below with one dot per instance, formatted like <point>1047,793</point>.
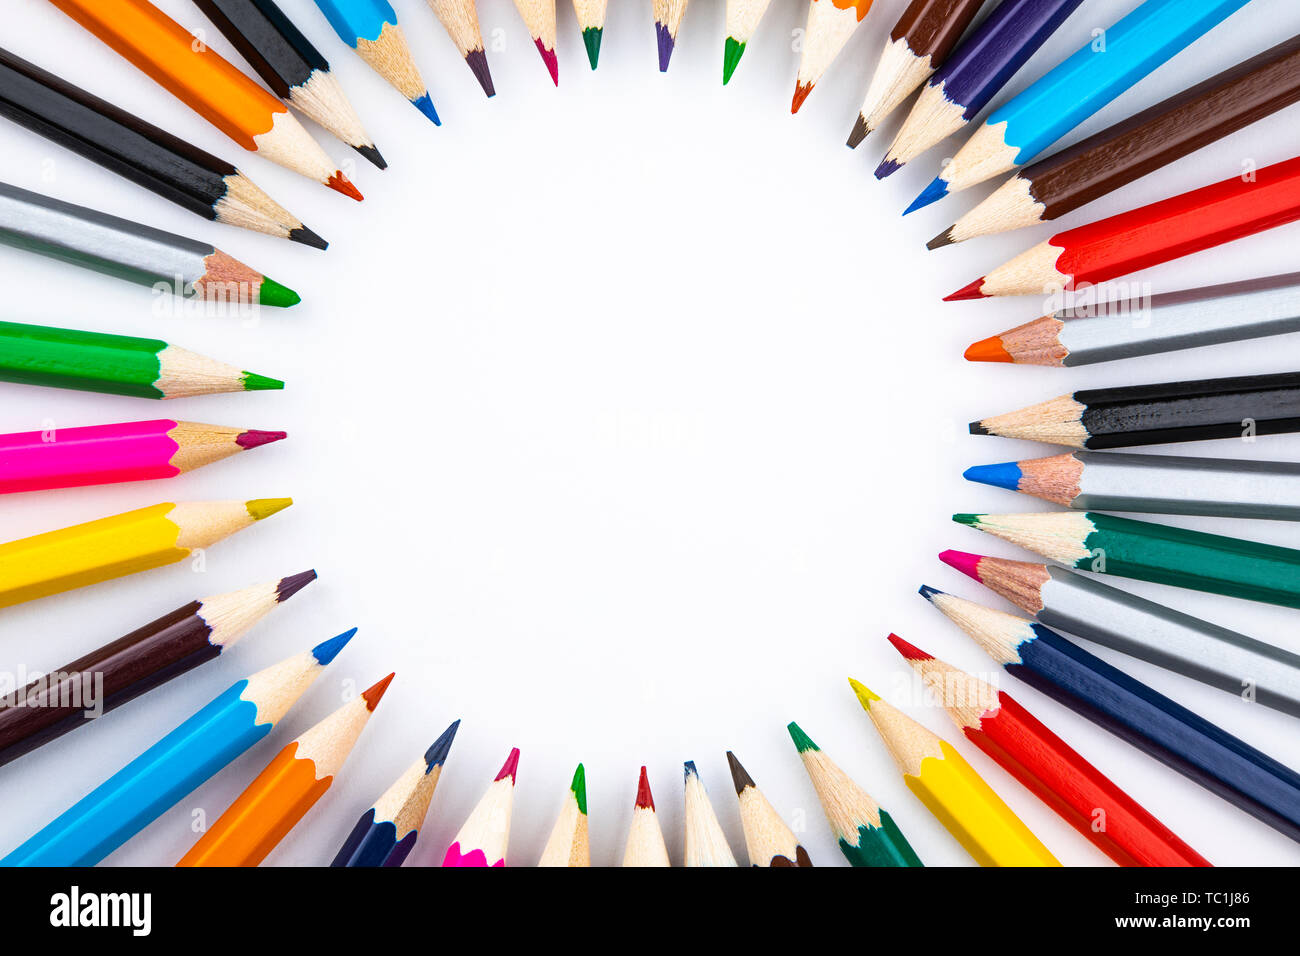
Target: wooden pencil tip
<point>373,694</point>
<point>910,652</point>
<point>740,778</point>
<point>887,168</point>
<point>801,91</point>
<point>253,438</point>
<point>802,742</point>
<point>945,238</point>
<point>291,585</point>
<point>578,787</point>
<point>326,651</point>
<point>988,350</point>
<point>665,42</point>
<point>864,694</point>
<point>972,291</point>
<point>963,561</point>
<point>341,184</point>
<point>308,237</point>
<point>859,132</point>
<point>372,153</point>
<point>550,59</point>
<point>509,768</point>
<point>260,508</point>
<point>644,799</point>
<point>437,753</point>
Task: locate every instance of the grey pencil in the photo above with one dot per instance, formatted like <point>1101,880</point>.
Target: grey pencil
<point>1166,323</point>
<point>1151,632</point>
<point>1153,484</point>
<point>129,250</point>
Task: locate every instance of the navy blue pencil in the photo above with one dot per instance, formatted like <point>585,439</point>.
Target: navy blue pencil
<point>974,74</point>
<point>1150,721</point>
<point>387,832</point>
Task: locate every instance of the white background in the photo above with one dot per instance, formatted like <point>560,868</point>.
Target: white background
<point>625,421</point>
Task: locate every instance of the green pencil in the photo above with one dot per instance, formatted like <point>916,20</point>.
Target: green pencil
<point>867,835</point>
<point>1153,552</point>
<point>115,364</point>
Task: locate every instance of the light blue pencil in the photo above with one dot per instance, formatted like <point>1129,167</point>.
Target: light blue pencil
<point>1113,60</point>
<point>136,795</point>
<point>370,27</point>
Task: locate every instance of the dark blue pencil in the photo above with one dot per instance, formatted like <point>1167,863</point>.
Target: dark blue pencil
<point>375,840</point>
<point>974,74</point>
<point>1156,725</point>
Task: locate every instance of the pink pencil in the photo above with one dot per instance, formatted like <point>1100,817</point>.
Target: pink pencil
<point>482,839</point>
<point>106,454</point>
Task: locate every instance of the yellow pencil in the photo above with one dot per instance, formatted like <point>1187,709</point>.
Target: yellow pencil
<point>123,544</point>
<point>952,790</point>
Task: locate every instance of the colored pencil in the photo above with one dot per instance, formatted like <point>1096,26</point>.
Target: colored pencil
<point>208,84</point>
<point>386,833</point>
<point>539,18</point>
<point>483,838</point>
<point>1137,146</point>
<point>115,364</point>
<point>1050,768</point>
<point>974,74</point>
<point>269,807</point>
<point>1152,552</point>
<point>148,156</point>
<point>108,454</point>
<point>1153,484</point>
<point>950,788</point>
<point>131,251</point>
<point>668,19</point>
<point>918,45</point>
<point>460,19</point>
<point>113,547</point>
<point>1156,414</point>
<point>645,838</point>
<point>118,672</point>
<point>743,17</point>
<point>176,765</point>
<point>1131,710</point>
<point>768,840</point>
<point>1141,238</point>
<point>1241,665</point>
<point>867,834</point>
<point>568,844</point>
<point>706,844</point>
<point>591,21</point>
<point>829,26</point>
<point>1057,102</point>
<point>1233,312</point>
<point>370,27</point>
<point>293,68</point>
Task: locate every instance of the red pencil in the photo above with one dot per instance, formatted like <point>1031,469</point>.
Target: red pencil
<point>1145,237</point>
<point>1056,774</point>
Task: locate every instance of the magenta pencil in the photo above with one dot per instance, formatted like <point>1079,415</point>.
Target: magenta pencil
<point>483,838</point>
<point>107,454</point>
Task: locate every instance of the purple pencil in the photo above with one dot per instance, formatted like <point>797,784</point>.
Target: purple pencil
<point>974,74</point>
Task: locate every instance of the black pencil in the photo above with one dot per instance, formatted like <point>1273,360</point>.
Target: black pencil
<point>293,68</point>
<point>141,152</point>
<point>1155,414</point>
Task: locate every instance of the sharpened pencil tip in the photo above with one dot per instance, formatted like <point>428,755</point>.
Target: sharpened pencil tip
<point>966,292</point>
<point>887,168</point>
<point>510,767</point>
<point>591,38</point>
<point>260,508</point>
<point>967,519</point>
<point>909,651</point>
<point>644,798</point>
<point>341,184</point>
<point>859,132</point>
<point>253,438</point>
<point>688,770</point>
<point>963,561</point>
<point>987,350</point>
<point>926,592</point>
<point>436,755</point>
<point>373,694</point>
<point>278,296</point>
<point>261,383</point>
<point>977,428</point>
<point>802,742</point>
<point>308,237</point>
<point>291,585</point>
<point>326,651</point>
<point>930,194</point>
<point>425,105</point>
<point>865,695</point>
<point>732,51</point>
<point>372,153</point>
<point>578,787</point>
<point>740,778</point>
<point>477,62</point>
<point>945,238</point>
<point>550,59</point>
<point>1005,474</point>
<point>801,91</point>
<point>665,42</point>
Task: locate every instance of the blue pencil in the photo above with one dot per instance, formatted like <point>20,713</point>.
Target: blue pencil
<point>1156,725</point>
<point>1112,61</point>
<point>136,795</point>
<point>973,75</point>
<point>375,840</point>
<point>370,27</point>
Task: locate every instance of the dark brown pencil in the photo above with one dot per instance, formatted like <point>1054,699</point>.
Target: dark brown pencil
<point>1137,146</point>
<point>106,678</point>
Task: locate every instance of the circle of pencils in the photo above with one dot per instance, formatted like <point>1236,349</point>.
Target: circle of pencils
<point>460,19</point>
<point>288,63</point>
<point>951,789</point>
<point>1243,666</point>
<point>1156,725</point>
<point>645,838</point>
<point>568,844</point>
<point>116,364</point>
<point>706,844</point>
<point>1052,770</point>
<point>743,17</point>
<point>483,838</point>
<point>1137,146</point>
<point>829,26</point>
<point>208,84</point>
<point>539,19</point>
<point>1152,552</point>
<point>177,764</point>
<point>1075,89</point>
<point>117,673</point>
<point>867,835</point>
<point>1157,414</point>
<point>123,544</point>
<point>286,789</point>
<point>148,156</point>
<point>591,22</point>
<point>768,840</point>
<point>106,454</point>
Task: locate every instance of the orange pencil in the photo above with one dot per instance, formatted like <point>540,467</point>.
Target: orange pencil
<point>208,84</point>
<point>290,785</point>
